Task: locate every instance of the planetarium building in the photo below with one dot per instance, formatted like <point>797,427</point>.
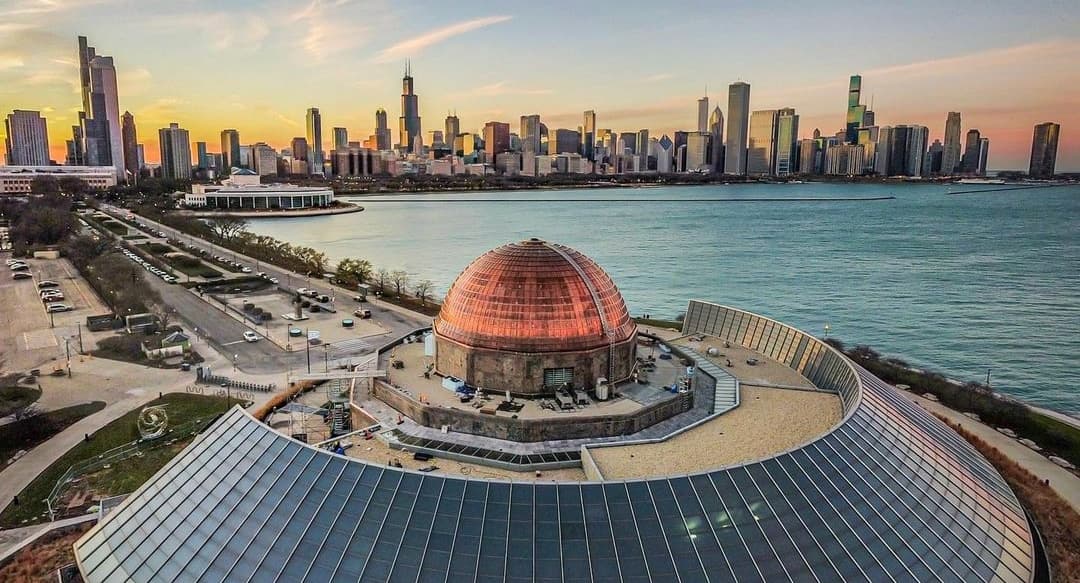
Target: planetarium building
<point>885,493</point>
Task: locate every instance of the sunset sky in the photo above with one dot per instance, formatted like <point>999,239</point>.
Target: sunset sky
<point>257,65</point>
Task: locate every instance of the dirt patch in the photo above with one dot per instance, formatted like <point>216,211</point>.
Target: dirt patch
<point>40,560</point>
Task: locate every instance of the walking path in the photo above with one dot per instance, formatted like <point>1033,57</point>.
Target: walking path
<point>11,541</point>
<point>1065,483</point>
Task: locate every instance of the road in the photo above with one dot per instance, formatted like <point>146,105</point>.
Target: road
<point>226,333</point>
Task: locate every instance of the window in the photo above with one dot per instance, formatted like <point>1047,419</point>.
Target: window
<point>556,377</point>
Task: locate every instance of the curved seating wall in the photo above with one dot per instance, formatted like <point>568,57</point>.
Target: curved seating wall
<point>891,494</point>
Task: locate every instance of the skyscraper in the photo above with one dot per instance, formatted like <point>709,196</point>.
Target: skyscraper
<point>131,145</point>
<point>409,123</point>
<point>950,155</point>
<point>202,158</point>
<point>738,122</point>
<point>496,139</point>
<point>588,135</point>
<point>761,150</point>
<point>934,155</point>
<point>453,128</point>
<point>230,150</point>
<point>1044,145</point>
<point>969,164</point>
<point>901,150</point>
<point>341,139</point>
<point>628,141</point>
<point>984,155</point>
<point>787,136</point>
<point>716,129</point>
<point>314,138</point>
<point>175,152</point>
<point>561,141</point>
<point>530,134</point>
<point>855,111</point>
<point>100,138</point>
<point>703,114</point>
<point>382,130</point>
<point>641,147</point>
<point>27,141</point>
<point>697,149</point>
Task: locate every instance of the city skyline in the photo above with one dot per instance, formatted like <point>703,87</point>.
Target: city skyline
<point>917,85</point>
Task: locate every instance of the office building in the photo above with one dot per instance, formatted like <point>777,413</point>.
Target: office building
<point>341,138</point>
<point>787,137</point>
<point>244,190</point>
<point>301,156</point>
<point>465,144</point>
<point>99,140</point>
<point>737,127</point>
<point>901,150</point>
<point>496,139</point>
<point>17,179</point>
<point>665,155</point>
<point>628,143</point>
<point>588,135</point>
<point>562,141</point>
<point>409,122</point>
<point>950,154</point>
<point>641,147</point>
<point>131,145</point>
<point>202,158</point>
<point>1044,145</point>
<point>265,159</point>
<point>697,153</point>
<point>969,162</point>
<point>761,148</point>
<point>382,130</point>
<point>27,142</point>
<point>175,153</point>
<point>845,160</point>
<point>716,131</point>
<point>984,154</point>
<point>856,112</point>
<point>452,129</point>
<point>314,140</point>
<point>703,114</point>
<point>934,156</point>
<point>809,157</point>
<point>530,134</point>
<point>230,150</point>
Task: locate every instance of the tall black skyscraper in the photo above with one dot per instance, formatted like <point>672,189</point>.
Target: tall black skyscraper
<point>1044,144</point>
<point>409,123</point>
<point>99,138</point>
<point>382,130</point>
<point>969,164</point>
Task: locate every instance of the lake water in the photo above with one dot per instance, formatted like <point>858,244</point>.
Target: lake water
<point>956,283</point>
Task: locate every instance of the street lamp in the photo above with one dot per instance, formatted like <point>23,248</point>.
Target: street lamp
<point>234,358</point>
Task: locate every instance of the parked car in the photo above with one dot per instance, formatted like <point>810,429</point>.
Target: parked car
<point>303,291</point>
<point>53,308</point>
<point>250,336</point>
<point>362,313</point>
<point>245,270</point>
<point>47,283</point>
<point>19,267</point>
<point>49,292</point>
<point>23,275</point>
<point>52,298</point>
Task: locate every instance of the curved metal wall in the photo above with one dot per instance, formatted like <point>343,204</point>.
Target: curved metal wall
<point>891,494</point>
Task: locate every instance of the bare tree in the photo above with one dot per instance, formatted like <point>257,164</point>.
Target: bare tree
<point>26,411</point>
<point>164,315</point>
<point>227,227</point>
<point>382,277</point>
<point>400,279</point>
<point>423,291</point>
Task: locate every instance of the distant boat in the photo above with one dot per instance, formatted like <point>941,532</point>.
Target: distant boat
<point>981,181</point>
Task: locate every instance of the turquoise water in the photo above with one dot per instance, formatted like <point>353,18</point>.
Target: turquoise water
<point>956,283</point>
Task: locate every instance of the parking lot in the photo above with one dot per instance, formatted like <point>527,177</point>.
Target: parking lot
<point>330,326</point>
<point>33,337</point>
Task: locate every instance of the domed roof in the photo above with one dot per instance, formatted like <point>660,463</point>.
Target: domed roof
<point>534,296</point>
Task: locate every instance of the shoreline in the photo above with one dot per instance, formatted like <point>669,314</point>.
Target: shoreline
<point>275,214</point>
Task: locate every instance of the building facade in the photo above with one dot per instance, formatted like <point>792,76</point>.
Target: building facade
<point>716,131</point>
<point>563,141</point>
<point>315,141</point>
<point>738,124</point>
<point>230,149</point>
<point>787,138</point>
<point>175,150</point>
<point>588,135</point>
<point>382,131</point>
<point>1044,145</point>
<point>856,112</point>
<point>409,123</point>
<point>496,139</point>
<point>17,179</point>
<point>530,134</point>
<point>131,145</point>
<point>761,149</point>
<point>27,142</point>
<point>950,153</point>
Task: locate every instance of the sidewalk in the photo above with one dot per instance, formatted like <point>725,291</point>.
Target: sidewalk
<point>11,541</point>
<point>1066,484</point>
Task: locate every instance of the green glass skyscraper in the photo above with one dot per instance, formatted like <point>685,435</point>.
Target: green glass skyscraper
<point>855,112</point>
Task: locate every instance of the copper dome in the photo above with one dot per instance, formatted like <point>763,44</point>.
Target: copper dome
<point>534,296</point>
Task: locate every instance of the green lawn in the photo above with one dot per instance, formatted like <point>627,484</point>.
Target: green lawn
<point>27,433</point>
<point>124,476</point>
<point>133,237</point>
<point>15,397</point>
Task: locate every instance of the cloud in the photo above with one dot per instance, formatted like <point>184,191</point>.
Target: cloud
<point>9,61</point>
<point>983,60</point>
<point>327,33</point>
<point>500,89</point>
<point>416,45</point>
<point>658,77</point>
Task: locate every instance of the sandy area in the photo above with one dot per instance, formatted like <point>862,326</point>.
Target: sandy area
<point>374,450</point>
<point>766,422</point>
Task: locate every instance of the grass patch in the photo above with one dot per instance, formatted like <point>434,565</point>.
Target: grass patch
<point>133,237</point>
<point>15,397</point>
<point>115,227</point>
<point>180,407</point>
<point>157,248</point>
<point>40,560</point>
<point>25,434</point>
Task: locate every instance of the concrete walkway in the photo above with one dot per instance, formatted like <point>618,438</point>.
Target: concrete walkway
<point>11,541</point>
<point>1065,483</point>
